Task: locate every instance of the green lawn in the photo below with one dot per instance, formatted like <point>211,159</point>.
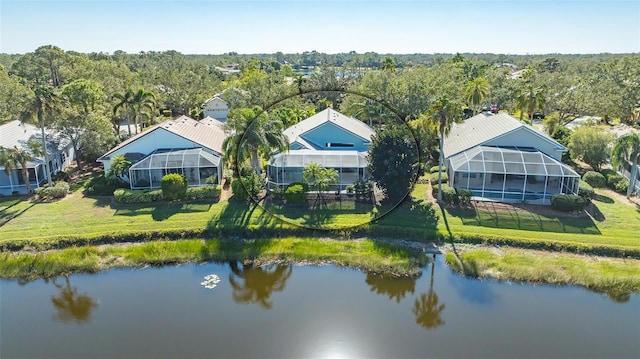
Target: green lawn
<point>616,224</point>
<point>612,223</point>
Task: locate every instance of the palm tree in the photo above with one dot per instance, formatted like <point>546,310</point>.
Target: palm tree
<point>143,104</point>
<point>627,148</point>
<point>319,179</point>
<point>368,110</point>
<point>136,104</point>
<point>70,305</point>
<point>476,91</point>
<point>391,286</point>
<point>124,101</point>
<point>442,113</point>
<point>251,131</point>
<point>428,309</point>
<point>13,158</point>
<point>41,106</point>
<point>530,98</point>
<point>255,284</point>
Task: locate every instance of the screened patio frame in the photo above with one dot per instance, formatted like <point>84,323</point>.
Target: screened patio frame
<point>511,174</point>
<point>195,164</point>
<point>287,167</point>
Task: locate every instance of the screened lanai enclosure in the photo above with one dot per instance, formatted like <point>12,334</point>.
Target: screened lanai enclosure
<point>513,174</point>
<point>195,164</point>
<point>286,167</point>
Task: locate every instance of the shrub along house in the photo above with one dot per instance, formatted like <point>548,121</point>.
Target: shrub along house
<point>502,159</point>
<point>17,134</point>
<point>182,145</point>
<point>329,139</point>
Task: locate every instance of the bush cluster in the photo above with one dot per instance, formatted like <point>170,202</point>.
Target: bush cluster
<point>103,186</point>
<point>622,186</point>
<point>58,190</point>
<point>433,177</point>
<point>434,169</point>
<point>61,176</point>
<point>208,191</point>
<point>568,202</point>
<point>585,190</point>
<point>128,196</point>
<point>594,179</point>
<point>296,192</point>
<point>174,186</point>
<point>363,189</point>
<point>455,196</point>
<point>248,185</point>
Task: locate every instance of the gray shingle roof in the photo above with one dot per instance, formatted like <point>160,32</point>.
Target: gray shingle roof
<point>350,124</point>
<point>479,129</point>
<point>207,132</point>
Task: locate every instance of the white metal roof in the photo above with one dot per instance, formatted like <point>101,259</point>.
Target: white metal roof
<point>17,134</point>
<point>519,161</point>
<point>481,128</point>
<point>328,159</point>
<point>208,132</point>
<point>350,124</point>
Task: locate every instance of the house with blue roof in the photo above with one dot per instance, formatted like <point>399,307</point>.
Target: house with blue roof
<point>328,138</point>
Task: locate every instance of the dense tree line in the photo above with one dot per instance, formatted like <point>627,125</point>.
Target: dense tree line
<point>89,97</point>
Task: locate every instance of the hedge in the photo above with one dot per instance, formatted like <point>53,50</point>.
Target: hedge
<point>434,169</point>
<point>246,186</point>
<point>586,191</point>
<point>434,178</point>
<point>595,179</point>
<point>568,202</point>
<point>208,191</point>
<point>58,190</point>
<point>295,193</point>
<point>123,195</point>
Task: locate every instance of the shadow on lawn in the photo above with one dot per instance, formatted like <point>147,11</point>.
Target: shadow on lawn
<point>513,217</point>
<point>8,212</point>
<point>468,268</point>
<point>318,212</point>
<point>159,211</point>
<point>240,214</point>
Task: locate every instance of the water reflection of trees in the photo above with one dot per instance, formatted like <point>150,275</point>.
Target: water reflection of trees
<point>255,284</point>
<point>71,306</point>
<point>427,308</point>
<point>393,287</point>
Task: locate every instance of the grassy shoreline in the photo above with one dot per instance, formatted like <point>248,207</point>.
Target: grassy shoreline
<point>618,277</point>
<point>376,256</point>
<point>42,238</point>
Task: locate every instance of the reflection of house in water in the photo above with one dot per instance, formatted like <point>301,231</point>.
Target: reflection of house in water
<point>183,145</point>
<point>502,159</point>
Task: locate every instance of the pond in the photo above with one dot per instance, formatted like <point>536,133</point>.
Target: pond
<point>229,310</point>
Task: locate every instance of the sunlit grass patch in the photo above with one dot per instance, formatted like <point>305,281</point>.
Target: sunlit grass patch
<point>598,273</point>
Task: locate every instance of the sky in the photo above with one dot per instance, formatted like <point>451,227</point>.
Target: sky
<point>295,26</point>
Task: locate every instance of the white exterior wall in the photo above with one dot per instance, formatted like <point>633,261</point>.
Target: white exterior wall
<point>524,138</point>
<point>159,138</point>
<point>216,108</point>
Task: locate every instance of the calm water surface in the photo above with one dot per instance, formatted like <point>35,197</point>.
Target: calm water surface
<point>282,311</point>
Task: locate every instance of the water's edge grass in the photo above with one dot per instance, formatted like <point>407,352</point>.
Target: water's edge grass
<point>370,255</point>
<point>616,276</point>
